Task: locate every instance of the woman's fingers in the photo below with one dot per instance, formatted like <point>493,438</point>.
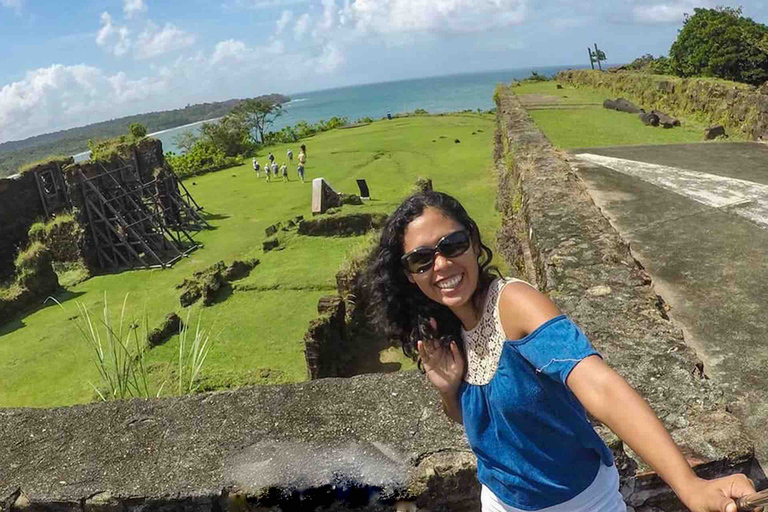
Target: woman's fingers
<point>456,353</point>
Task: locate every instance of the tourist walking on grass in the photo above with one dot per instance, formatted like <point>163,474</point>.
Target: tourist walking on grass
<point>271,158</point>
<point>518,374</point>
<point>289,154</point>
<point>274,169</point>
<point>284,172</point>
<point>302,162</point>
<point>256,167</point>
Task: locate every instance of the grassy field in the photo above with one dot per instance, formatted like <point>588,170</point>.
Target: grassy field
<point>575,118</point>
<point>44,362</point>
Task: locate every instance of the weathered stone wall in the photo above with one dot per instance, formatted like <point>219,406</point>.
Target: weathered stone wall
<point>740,108</point>
<point>20,207</point>
<point>362,444</point>
<point>326,345</point>
<point>576,257</point>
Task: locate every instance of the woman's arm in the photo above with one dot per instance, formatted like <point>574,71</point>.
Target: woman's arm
<point>610,399</point>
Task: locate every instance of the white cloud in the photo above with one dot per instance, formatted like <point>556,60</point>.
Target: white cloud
<point>301,26</point>
<point>284,20</point>
<point>329,15</point>
<point>229,50</point>
<point>666,12</point>
<point>153,41</point>
<point>115,39</point>
<point>12,4</point>
<point>660,13</point>
<point>330,59</point>
<point>60,97</point>
<point>390,16</point>
<point>263,4</point>
<point>133,7</point>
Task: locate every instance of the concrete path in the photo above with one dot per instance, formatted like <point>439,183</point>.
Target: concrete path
<point>696,216</point>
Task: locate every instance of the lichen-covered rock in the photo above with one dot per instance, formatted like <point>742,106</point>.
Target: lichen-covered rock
<point>239,269</point>
<point>270,243</point>
<point>170,326</point>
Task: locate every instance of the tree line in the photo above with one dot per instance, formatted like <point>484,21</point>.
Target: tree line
<point>717,42</point>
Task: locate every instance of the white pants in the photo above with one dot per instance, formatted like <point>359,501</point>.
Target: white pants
<point>602,495</point>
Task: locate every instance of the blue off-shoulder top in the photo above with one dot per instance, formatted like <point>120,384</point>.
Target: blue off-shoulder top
<point>535,447</point>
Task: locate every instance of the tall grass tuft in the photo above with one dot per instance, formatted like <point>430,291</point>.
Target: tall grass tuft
<point>192,355</point>
<point>118,353</point>
<point>119,350</point>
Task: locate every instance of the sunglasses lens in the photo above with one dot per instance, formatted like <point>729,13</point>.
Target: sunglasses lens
<point>454,244</point>
<point>420,260</point>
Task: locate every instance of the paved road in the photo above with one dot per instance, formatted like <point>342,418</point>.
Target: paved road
<point>696,216</point>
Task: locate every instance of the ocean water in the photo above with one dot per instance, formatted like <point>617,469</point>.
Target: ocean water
<point>434,94</point>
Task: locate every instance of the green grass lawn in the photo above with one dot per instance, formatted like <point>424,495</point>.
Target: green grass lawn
<point>593,125</point>
<point>44,362</point>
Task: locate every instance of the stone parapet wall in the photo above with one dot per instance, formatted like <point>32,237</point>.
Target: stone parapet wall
<point>742,109</point>
<point>363,443</point>
<point>580,261</point>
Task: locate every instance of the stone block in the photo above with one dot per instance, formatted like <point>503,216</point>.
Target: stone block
<point>270,243</point>
<point>170,326</point>
<point>714,132</point>
<point>323,196</point>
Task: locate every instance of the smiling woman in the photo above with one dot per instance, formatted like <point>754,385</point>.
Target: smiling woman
<point>517,373</point>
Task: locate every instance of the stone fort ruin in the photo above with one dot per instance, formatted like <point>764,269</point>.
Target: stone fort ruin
<point>134,211</point>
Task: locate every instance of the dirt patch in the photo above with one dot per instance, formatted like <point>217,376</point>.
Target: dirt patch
<point>538,99</point>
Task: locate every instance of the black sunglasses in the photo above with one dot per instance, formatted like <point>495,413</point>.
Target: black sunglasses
<point>451,245</point>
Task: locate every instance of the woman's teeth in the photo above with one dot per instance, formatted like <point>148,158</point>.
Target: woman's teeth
<point>450,283</point>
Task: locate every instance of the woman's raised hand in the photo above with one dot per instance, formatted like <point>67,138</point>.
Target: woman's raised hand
<point>444,367</point>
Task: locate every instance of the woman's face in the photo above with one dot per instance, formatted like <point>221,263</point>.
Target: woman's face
<point>450,281</point>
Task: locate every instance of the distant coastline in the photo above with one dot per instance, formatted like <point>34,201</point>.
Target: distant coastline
<point>80,157</point>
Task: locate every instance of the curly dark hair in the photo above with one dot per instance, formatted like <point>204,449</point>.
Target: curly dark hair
<point>397,306</point>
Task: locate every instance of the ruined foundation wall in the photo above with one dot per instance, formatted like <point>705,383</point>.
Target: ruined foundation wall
<point>580,261</point>
<point>20,207</point>
<point>742,109</point>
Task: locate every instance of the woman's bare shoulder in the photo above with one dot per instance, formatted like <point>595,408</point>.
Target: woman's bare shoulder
<point>522,309</point>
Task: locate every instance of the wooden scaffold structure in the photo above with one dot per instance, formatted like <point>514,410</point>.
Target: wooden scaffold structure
<point>138,224</point>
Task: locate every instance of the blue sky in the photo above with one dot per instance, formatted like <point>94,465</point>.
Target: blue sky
<point>68,64</point>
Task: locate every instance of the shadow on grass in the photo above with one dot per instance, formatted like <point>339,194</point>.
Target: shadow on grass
<point>222,294</point>
<point>62,295</point>
<point>208,216</point>
<point>11,326</point>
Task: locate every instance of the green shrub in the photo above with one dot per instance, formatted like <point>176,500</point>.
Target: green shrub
<point>536,77</point>
<point>721,42</point>
<point>36,232</point>
<point>27,259</point>
<point>137,130</point>
<point>202,158</point>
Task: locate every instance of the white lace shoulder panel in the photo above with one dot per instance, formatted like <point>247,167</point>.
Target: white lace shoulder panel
<point>483,343</point>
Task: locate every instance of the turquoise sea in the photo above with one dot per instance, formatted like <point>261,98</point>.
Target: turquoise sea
<point>434,94</point>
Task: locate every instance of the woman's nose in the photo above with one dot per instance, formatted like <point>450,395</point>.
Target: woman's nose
<point>440,262</point>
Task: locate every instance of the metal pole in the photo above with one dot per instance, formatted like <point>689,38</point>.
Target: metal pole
<point>591,61</point>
